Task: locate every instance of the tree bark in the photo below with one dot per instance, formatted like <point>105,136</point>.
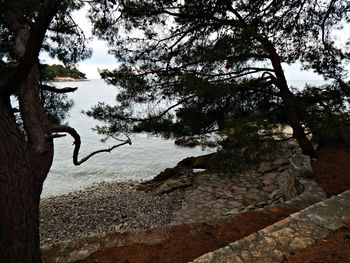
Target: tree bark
<point>23,169</point>
<point>19,241</point>
<point>289,101</point>
<point>26,153</point>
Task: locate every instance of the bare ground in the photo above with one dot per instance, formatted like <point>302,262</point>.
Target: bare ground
<point>188,242</point>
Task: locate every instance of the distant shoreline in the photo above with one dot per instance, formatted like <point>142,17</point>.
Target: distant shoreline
<point>67,79</point>
<point>71,80</point>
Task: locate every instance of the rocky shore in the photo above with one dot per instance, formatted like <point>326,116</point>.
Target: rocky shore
<point>174,198</point>
<point>185,242</point>
<point>105,207</point>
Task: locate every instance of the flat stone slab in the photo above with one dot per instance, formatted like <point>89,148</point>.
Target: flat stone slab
<point>295,232</point>
<point>217,195</point>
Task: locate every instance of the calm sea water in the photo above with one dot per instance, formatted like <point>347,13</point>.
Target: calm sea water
<point>145,158</point>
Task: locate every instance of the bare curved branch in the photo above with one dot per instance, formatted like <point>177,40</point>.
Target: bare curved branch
<point>56,90</point>
<point>77,143</point>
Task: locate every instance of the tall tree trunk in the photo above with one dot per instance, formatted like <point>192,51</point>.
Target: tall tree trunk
<point>21,178</point>
<point>289,101</point>
<point>291,112</point>
<point>25,155</point>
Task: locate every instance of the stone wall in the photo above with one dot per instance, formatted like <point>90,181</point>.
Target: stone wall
<point>299,230</point>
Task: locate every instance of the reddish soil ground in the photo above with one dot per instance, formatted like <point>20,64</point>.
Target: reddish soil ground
<point>188,242</point>
<point>332,169</point>
<point>335,249</point>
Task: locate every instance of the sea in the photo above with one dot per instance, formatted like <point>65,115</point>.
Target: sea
<point>144,159</point>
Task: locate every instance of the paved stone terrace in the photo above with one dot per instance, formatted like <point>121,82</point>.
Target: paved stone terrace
<point>218,195</point>
<point>213,196</point>
<point>295,232</point>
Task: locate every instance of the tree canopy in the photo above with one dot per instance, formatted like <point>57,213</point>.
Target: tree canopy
<point>194,68</point>
<point>188,68</point>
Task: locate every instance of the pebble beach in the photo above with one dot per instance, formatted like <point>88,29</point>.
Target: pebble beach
<point>104,207</point>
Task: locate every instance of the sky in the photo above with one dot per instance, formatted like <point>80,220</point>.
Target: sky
<point>100,58</point>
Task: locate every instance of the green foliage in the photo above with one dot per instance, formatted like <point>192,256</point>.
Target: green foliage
<point>56,106</point>
<point>244,148</point>
<point>49,72</point>
<point>194,68</point>
<point>64,39</point>
<point>326,109</point>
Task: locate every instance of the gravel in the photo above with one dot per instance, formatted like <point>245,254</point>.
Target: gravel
<point>102,208</point>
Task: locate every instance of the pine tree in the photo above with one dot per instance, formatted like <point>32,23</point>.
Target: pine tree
<point>197,68</point>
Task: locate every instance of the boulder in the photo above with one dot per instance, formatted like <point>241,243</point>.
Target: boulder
<point>172,184</point>
<point>187,142</point>
<point>300,166</point>
<point>167,176</point>
<point>289,185</point>
<point>266,167</point>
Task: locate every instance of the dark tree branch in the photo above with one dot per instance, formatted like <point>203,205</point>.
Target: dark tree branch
<point>281,139</point>
<point>56,90</point>
<point>77,143</point>
<point>120,117</point>
<point>233,76</point>
<point>238,73</point>
<point>344,87</point>
<point>166,10</point>
<point>273,77</point>
<point>34,42</point>
<point>323,24</point>
<point>248,55</point>
<point>57,135</point>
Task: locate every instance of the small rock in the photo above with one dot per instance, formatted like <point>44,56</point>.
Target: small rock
<point>184,142</point>
<point>266,167</point>
<point>275,194</point>
<point>172,184</point>
<point>301,166</point>
<point>117,228</point>
<point>232,212</point>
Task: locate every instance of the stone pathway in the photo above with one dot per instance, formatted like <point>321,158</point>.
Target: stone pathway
<point>218,195</point>
<point>295,232</point>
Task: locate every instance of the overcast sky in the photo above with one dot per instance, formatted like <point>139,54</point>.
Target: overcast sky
<point>102,60</point>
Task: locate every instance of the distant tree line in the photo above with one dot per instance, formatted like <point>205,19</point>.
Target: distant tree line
<point>49,72</point>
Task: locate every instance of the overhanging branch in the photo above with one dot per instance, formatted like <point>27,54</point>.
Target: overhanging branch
<point>56,90</point>
<point>120,117</point>
<point>77,143</point>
